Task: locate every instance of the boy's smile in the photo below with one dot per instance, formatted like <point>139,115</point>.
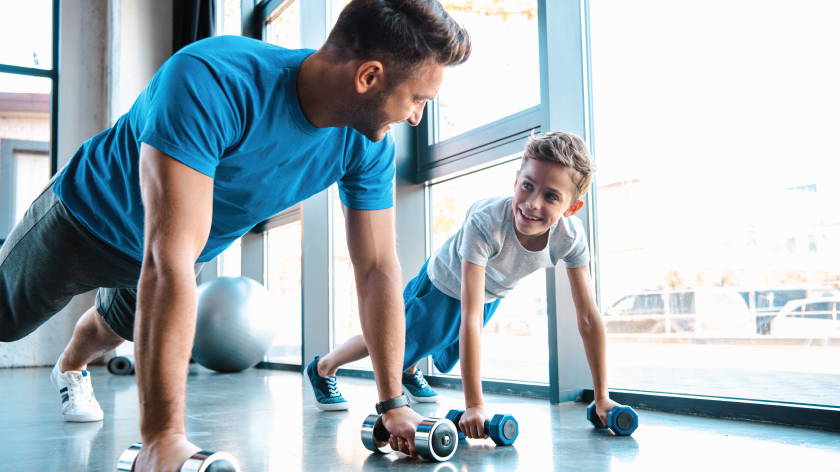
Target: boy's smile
<point>543,193</point>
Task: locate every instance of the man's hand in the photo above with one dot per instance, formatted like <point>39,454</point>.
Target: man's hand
<point>402,423</point>
<point>472,422</point>
<point>604,406</point>
<point>167,454</point>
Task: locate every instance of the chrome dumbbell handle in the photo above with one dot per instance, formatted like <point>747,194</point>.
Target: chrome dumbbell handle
<point>201,461</point>
<point>375,436</point>
<point>435,439</point>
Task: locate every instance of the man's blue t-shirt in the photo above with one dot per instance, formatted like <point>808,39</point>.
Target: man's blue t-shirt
<point>226,107</point>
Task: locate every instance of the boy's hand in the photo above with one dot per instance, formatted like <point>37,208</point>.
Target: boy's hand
<point>603,406</point>
<point>402,422</point>
<point>472,422</point>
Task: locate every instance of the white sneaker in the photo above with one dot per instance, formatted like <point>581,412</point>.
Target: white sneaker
<point>78,405</point>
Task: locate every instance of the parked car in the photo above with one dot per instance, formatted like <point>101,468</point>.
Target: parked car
<point>766,301</point>
<point>680,310</point>
<point>808,318</point>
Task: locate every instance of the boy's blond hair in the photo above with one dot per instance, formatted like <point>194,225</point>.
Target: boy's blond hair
<point>566,150</point>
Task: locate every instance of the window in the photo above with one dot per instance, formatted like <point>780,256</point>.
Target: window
<point>284,28</point>
<point>345,320</point>
<point>231,17</point>
<point>283,270</point>
<point>501,77</point>
<point>336,7</point>
<point>230,261</point>
<point>514,345</point>
<point>26,34</point>
<point>27,106</point>
<point>697,115</point>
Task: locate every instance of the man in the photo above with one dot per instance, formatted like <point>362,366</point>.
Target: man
<point>229,132</point>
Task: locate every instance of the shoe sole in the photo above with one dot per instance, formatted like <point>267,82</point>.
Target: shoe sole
<point>327,406</point>
<point>83,419</point>
<point>433,399</point>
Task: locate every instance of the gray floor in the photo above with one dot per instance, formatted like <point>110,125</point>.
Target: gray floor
<point>268,420</point>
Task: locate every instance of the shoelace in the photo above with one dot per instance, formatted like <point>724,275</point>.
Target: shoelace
<point>418,376</point>
<point>331,383</point>
<point>80,390</point>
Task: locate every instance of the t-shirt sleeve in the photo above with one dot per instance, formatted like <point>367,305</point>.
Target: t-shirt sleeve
<point>477,241</point>
<point>188,115</point>
<point>370,185</point>
<point>578,255</point>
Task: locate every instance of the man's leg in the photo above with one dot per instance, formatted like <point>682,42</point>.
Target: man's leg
<point>92,338</point>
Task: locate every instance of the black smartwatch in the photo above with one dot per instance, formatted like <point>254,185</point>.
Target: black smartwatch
<point>382,407</point>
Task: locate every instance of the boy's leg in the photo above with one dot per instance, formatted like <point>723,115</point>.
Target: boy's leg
<point>321,373</point>
<point>351,351</point>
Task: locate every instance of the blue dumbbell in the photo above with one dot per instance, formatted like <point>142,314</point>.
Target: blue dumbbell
<point>502,429</point>
<point>622,420</point>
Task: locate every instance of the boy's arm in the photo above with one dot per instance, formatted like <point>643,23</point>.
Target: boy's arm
<point>472,322</point>
<point>591,328</point>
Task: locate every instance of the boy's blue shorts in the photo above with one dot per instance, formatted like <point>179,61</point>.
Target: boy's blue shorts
<point>433,323</point>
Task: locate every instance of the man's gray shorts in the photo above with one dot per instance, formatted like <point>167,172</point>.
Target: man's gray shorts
<point>49,258</point>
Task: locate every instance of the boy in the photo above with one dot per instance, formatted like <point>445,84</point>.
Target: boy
<point>503,239</point>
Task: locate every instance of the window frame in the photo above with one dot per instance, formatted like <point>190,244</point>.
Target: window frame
<point>52,74</point>
<point>566,103</point>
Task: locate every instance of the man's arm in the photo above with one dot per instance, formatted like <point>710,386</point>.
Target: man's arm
<point>371,241</point>
<point>472,323</point>
<point>178,204</point>
<point>591,327</point>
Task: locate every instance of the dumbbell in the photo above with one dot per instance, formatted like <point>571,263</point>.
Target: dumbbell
<point>502,429</point>
<point>201,461</point>
<point>622,420</point>
<point>121,365</point>
<point>436,439</point>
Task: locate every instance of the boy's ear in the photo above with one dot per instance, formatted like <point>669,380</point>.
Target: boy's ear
<point>576,206</point>
<point>516,182</point>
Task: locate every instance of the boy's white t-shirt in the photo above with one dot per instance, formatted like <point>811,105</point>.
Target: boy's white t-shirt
<point>488,238</point>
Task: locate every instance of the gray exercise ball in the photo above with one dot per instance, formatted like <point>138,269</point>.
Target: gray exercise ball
<point>236,326</point>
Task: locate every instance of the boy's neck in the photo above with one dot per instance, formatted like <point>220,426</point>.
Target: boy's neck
<point>532,242</point>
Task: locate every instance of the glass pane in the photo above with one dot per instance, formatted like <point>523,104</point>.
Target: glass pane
<point>25,163</point>
<point>336,6</point>
<point>718,182</point>
<point>230,261</point>
<point>283,269</point>
<point>514,345</point>
<point>346,323</point>
<point>232,18</point>
<point>284,29</point>
<point>502,75</point>
<point>26,33</point>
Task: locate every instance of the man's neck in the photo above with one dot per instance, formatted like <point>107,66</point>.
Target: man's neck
<point>319,92</point>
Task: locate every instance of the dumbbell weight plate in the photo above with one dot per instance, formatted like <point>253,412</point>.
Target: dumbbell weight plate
<point>509,429</point>
<point>436,439</point>
<point>624,421</point>
<point>201,461</point>
<point>375,436</point>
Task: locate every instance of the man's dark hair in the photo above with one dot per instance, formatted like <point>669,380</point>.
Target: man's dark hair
<point>404,35</point>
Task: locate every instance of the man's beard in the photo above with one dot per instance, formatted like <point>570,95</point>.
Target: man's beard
<point>371,118</point>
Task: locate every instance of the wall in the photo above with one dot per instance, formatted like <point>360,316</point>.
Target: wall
<point>141,40</point>
<point>109,49</point>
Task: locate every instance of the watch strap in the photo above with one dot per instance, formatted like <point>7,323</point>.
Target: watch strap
<point>382,407</point>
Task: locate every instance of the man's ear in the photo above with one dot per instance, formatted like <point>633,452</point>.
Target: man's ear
<point>576,206</point>
<point>369,75</point>
<point>516,182</point>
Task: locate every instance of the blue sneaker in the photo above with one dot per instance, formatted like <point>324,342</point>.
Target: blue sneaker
<point>327,396</point>
<point>417,389</point>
